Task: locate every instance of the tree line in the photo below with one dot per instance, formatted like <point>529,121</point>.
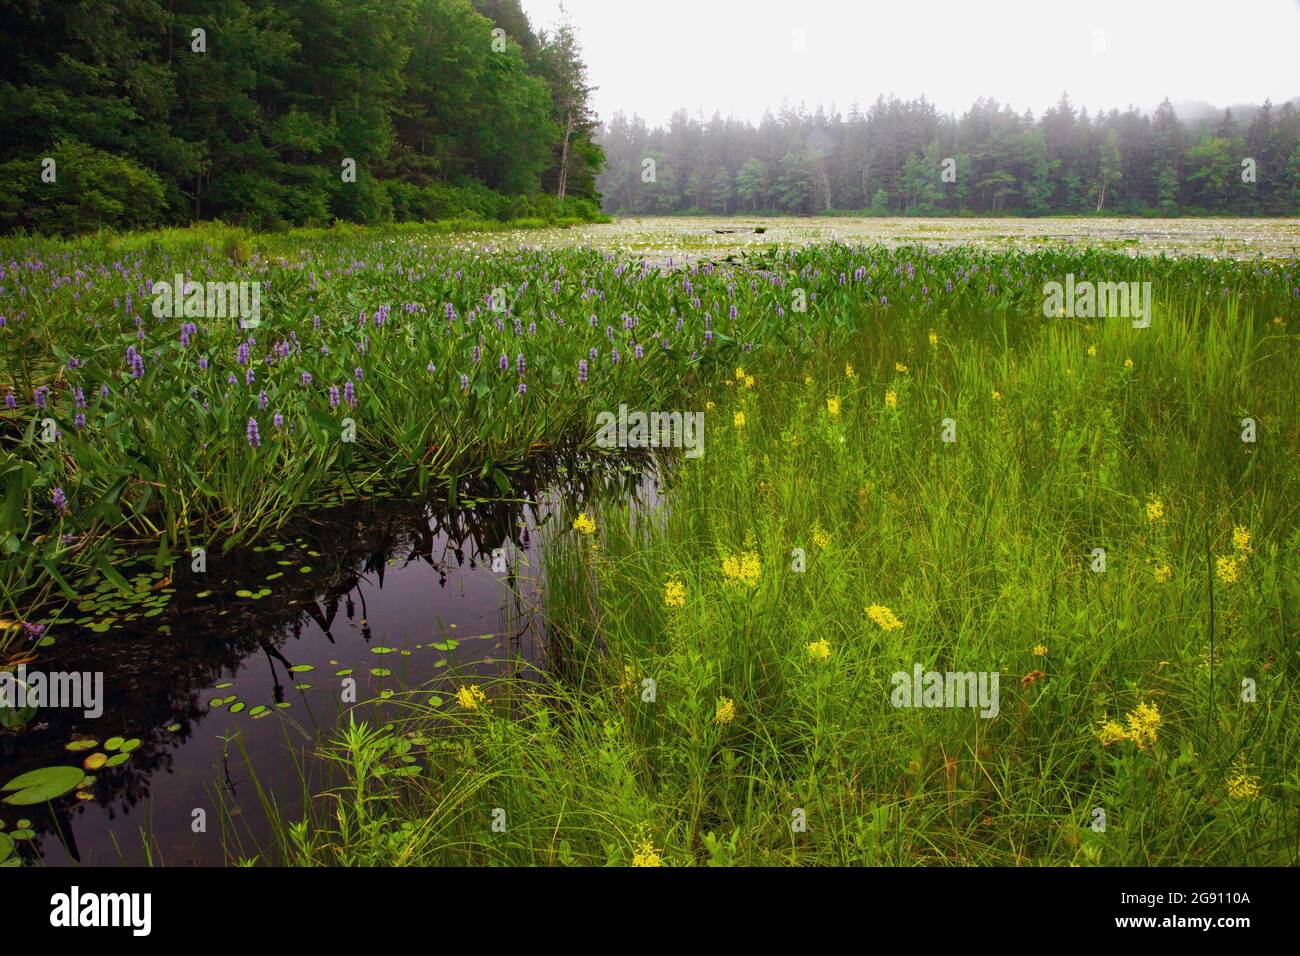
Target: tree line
<point>906,157</point>
<point>269,113</point>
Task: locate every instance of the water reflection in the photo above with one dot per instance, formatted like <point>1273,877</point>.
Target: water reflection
<point>392,593</point>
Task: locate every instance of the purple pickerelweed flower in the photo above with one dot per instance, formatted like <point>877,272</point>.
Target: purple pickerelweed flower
<point>306,378</point>
<point>80,420</point>
<point>431,368</point>
<point>708,336</point>
<point>103,391</point>
<point>242,356</point>
<point>34,631</point>
<point>203,363</point>
<point>519,361</point>
<point>80,397</point>
<point>248,376</point>
<point>334,396</point>
<point>582,371</point>
<point>262,400</point>
<point>614,356</point>
<point>137,366</point>
<point>504,363</point>
<point>277,420</point>
<point>254,437</point>
<point>464,382</point>
<point>40,393</point>
<point>10,402</point>
<point>357,373</point>
<point>640,352</point>
<point>231,380</point>
<point>592,353</point>
<point>60,501</point>
<point>522,388</point>
<point>349,393</point>
<point>478,353</point>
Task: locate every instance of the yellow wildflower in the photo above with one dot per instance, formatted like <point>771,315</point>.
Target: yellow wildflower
<point>807,379</point>
<point>934,337</point>
<point>1227,568</point>
<point>900,367</point>
<point>740,374</point>
<point>1092,351</point>
<point>708,406</point>
<point>470,697</point>
<point>744,567</point>
<point>1142,725</point>
<point>725,712</point>
<point>1162,573</point>
<point>833,406</point>
<point>884,618</point>
<point>739,419</point>
<point>821,537</point>
<point>891,399</point>
<point>674,593</point>
<point>749,381</point>
<point>1110,732</point>
<point>583,525</point>
<point>1242,785</point>
<point>820,650</point>
<point>848,371</point>
<point>629,679</point>
<point>997,396</point>
<point>647,855</point>
<point>1155,509</point>
<point>1241,539</point>
<point>1040,650</point>
<point>1128,363</point>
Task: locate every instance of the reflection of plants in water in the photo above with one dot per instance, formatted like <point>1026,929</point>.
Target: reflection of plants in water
<point>158,688</point>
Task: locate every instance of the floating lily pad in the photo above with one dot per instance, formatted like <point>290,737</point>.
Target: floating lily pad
<point>39,786</point>
<point>77,746</point>
<point>237,706</point>
<point>172,728</point>
<point>130,745</point>
<point>380,649</point>
<point>257,711</point>
<point>301,668</point>
<point>381,672</point>
<point>447,645</point>
<point>95,761</point>
<point>302,686</point>
<point>345,672</point>
<point>114,743</point>
<point>116,759</point>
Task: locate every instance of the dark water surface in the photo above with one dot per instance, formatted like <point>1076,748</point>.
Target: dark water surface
<point>348,582</point>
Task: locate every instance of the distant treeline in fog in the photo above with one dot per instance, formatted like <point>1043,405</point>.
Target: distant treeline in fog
<point>892,160</point>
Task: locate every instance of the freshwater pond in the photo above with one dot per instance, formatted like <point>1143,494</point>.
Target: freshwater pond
<point>242,672</point>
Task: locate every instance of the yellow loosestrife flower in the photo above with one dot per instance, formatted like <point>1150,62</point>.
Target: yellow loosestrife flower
<point>884,618</point>
<point>470,697</point>
<point>674,593</point>
<point>583,525</point>
<point>891,399</point>
<point>725,712</point>
<point>820,650</point>
<point>647,855</point>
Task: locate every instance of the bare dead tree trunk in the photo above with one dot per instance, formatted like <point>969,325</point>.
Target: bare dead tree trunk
<point>564,156</point>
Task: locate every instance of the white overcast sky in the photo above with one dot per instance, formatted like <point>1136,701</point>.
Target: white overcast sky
<point>735,56</point>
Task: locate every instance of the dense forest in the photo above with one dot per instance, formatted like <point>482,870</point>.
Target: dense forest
<point>893,158</point>
<point>279,112</point>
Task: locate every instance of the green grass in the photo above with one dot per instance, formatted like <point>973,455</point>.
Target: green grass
<point>983,548</point>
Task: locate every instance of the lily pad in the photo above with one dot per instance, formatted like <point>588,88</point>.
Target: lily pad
<point>39,786</point>
<point>114,743</point>
<point>76,746</point>
<point>237,706</point>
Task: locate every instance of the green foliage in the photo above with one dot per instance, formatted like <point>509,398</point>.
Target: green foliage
<point>254,127</point>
